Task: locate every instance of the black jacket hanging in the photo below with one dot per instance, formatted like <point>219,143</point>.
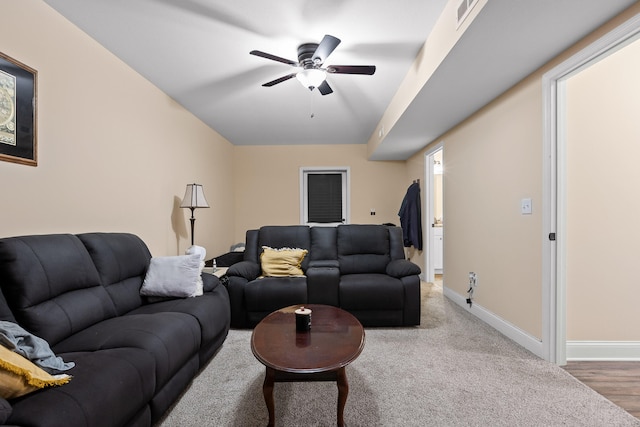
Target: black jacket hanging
<point>411,217</point>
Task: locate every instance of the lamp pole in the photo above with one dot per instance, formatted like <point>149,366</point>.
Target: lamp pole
<point>193,222</point>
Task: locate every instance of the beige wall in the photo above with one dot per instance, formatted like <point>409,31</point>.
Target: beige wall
<point>443,37</point>
<point>266,182</point>
<point>115,153</point>
<point>603,206</point>
<point>491,163</point>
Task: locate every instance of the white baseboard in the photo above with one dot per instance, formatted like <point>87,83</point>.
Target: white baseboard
<point>512,332</point>
<point>603,350</point>
<point>576,350</point>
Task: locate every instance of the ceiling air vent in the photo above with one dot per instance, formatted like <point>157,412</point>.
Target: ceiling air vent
<point>464,8</point>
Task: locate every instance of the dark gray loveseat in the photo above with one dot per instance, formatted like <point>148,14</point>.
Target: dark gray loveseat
<point>359,268</point>
<point>133,358</point>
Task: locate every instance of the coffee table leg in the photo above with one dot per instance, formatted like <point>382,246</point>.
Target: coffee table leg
<point>267,391</point>
<point>343,391</point>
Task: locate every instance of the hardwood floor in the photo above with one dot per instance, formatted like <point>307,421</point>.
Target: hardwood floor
<point>617,381</point>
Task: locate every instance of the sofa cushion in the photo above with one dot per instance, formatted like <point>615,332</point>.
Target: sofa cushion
<point>5,311</point>
<point>251,252</point>
<point>282,262</point>
<point>323,244</point>
<point>52,286</point>
<point>396,242</point>
<point>172,338</point>
<point>121,260</point>
<point>284,236</point>
<point>363,248</point>
<point>108,389</point>
<point>371,292</point>
<point>272,293</point>
<point>211,310</point>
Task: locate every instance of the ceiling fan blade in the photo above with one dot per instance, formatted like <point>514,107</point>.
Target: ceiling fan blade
<point>352,69</point>
<point>280,80</point>
<point>324,88</point>
<point>273,57</point>
<point>324,49</point>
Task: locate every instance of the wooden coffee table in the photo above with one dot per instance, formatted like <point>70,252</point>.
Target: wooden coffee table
<point>336,339</point>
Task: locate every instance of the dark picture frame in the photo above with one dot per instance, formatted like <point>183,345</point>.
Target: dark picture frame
<point>18,112</point>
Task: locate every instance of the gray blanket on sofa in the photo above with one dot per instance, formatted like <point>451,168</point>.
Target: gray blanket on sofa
<point>34,348</point>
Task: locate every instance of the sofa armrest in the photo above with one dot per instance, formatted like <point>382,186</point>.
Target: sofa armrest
<point>209,282</point>
<point>402,268</point>
<point>247,269</point>
<point>239,275</point>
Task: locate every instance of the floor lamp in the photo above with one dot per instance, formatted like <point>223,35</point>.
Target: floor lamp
<point>194,198</point>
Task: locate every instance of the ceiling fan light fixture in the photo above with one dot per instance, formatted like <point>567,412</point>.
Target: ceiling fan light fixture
<point>311,77</point>
<point>310,69</point>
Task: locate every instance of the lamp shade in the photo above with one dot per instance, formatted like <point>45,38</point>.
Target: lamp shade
<point>311,77</point>
<point>194,197</point>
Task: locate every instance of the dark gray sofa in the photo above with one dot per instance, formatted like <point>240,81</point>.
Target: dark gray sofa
<point>359,268</point>
<point>133,358</point>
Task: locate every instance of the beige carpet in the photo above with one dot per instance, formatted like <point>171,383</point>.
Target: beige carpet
<point>453,370</point>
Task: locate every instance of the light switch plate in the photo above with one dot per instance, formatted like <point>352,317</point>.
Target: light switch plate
<point>525,207</point>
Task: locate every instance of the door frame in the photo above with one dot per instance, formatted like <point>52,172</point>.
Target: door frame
<point>430,208</point>
<point>554,192</point>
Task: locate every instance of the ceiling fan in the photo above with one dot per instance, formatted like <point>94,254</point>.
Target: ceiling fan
<point>311,57</point>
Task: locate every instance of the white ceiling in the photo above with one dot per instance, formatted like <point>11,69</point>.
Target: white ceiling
<point>197,51</point>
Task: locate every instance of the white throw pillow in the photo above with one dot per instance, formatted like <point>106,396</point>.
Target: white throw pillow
<point>172,276</point>
<point>195,249</point>
<point>199,250</point>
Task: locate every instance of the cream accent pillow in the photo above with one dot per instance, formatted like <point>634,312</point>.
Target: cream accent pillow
<point>18,376</point>
<point>172,276</point>
<point>282,262</point>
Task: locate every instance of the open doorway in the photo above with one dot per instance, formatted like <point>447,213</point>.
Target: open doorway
<point>556,185</point>
<point>601,124</point>
<point>434,218</point>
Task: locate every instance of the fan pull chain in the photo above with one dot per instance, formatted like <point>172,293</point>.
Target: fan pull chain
<point>311,113</point>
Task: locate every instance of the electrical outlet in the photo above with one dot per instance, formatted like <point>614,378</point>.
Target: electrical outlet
<point>473,279</point>
<point>473,282</point>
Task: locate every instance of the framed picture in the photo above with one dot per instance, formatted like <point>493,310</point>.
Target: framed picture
<point>18,95</point>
